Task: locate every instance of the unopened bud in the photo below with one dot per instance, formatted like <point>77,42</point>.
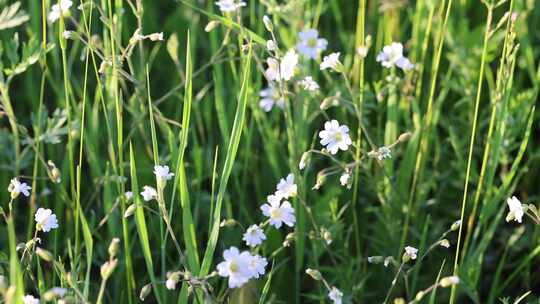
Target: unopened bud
<point>444,243</point>
<point>455,225</point>
<point>321,178</point>
<point>399,301</point>
<point>156,36</point>
<point>404,137</point>
<point>375,259</point>
<point>268,23</point>
<point>130,210</point>
<point>227,223</point>
<point>145,291</point>
<point>304,160</point>
<point>113,247</point>
<point>211,26</point>
<point>44,254</point>
<point>315,274</point>
<point>419,296</point>
<point>449,281</point>
<point>107,268</point>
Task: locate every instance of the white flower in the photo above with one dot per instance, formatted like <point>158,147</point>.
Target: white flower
<point>16,187</point>
<point>283,70</point>
<point>335,295</point>
<point>59,9</point>
<point>411,252</point>
<point>235,266</point>
<point>128,195</point>
<point>45,220</point>
<point>310,44</point>
<point>256,264</point>
<point>67,34</point>
<point>29,299</point>
<point>278,213</point>
<point>170,284</point>
<point>227,6</point>
<point>59,292</point>
<point>344,178</point>
<point>330,62</point>
<point>269,97</point>
<point>271,45</point>
<point>286,187</point>
<point>254,236</point>
<point>335,137</point>
<point>149,193</point>
<point>392,54</point>
<point>516,209</point>
<point>162,173</point>
<point>384,153</point>
<point>309,84</point>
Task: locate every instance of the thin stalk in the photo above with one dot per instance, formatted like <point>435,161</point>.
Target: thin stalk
<point>471,145</point>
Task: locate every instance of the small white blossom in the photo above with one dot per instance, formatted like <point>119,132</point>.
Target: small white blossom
<point>392,54</point>
<point>516,210</point>
<point>162,173</point>
<point>271,45</point>
<point>384,153</point>
<point>335,137</point>
<point>67,34</point>
<point>411,252</point>
<point>283,70</point>
<point>128,195</point>
<point>29,299</point>
<point>344,179</point>
<point>59,9</point>
<point>331,62</point>
<point>170,284</point>
<point>310,44</point>
<point>335,295</point>
<point>235,266</point>
<point>149,193</point>
<point>270,97</point>
<point>278,213</point>
<point>254,236</point>
<point>309,84</point>
<point>257,264</point>
<point>227,6</point>
<point>16,187</point>
<point>45,220</point>
<point>286,187</point>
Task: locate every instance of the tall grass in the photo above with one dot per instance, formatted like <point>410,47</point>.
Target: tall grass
<point>85,115</point>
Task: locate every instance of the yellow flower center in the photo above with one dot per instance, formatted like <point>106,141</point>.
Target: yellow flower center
<point>312,42</point>
<point>233,267</point>
<point>275,213</point>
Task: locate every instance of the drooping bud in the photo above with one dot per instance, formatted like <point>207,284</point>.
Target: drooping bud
<point>113,247</point>
<point>44,254</point>
<point>449,281</point>
<point>268,24</point>
<point>211,26</point>
<point>315,274</point>
<point>145,291</point>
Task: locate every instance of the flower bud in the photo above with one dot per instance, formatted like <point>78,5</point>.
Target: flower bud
<point>455,225</point>
<point>156,36</point>
<point>145,291</point>
<point>44,254</point>
<point>404,137</point>
<point>304,160</point>
<point>419,296</point>
<point>375,259</point>
<point>107,268</point>
<point>211,26</point>
<point>113,247</point>
<point>130,210</point>
<point>268,23</point>
<point>444,243</point>
<point>449,281</point>
<point>315,274</point>
<point>227,223</point>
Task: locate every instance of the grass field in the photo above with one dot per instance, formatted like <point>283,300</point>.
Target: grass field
<point>268,151</point>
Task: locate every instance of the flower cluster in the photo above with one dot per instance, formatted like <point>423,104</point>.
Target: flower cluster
<point>240,267</point>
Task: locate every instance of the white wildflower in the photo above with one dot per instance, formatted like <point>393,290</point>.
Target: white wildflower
<point>227,6</point>
<point>344,179</point>
<point>29,299</point>
<point>516,210</point>
<point>271,45</point>
<point>331,62</point>
<point>16,187</point>
<point>235,266</point>
<point>392,54</point>
<point>310,44</point>
<point>257,264</point>
<point>59,9</point>
<point>335,295</point>
<point>162,173</point>
<point>335,137</point>
<point>45,220</point>
<point>283,70</point>
<point>270,97</point>
<point>286,187</point>
<point>384,153</point>
<point>278,213</point>
<point>309,84</point>
<point>254,236</point>
<point>411,252</point>
<point>128,195</point>
<point>149,193</point>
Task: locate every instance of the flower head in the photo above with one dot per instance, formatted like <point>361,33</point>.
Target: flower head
<point>59,9</point>
<point>344,179</point>
<point>45,220</point>
<point>227,6</point>
<point>516,210</point>
<point>309,84</point>
<point>235,266</point>
<point>278,213</point>
<point>162,173</point>
<point>382,153</point>
<point>286,187</point>
<point>270,97</point>
<point>16,187</point>
<point>257,264</point>
<point>310,44</point>
<point>411,252</point>
<point>283,70</point>
<point>149,193</point>
<point>254,236</point>
<point>29,299</point>
<point>331,62</point>
<point>335,137</point>
<point>392,54</point>
<point>335,295</point>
